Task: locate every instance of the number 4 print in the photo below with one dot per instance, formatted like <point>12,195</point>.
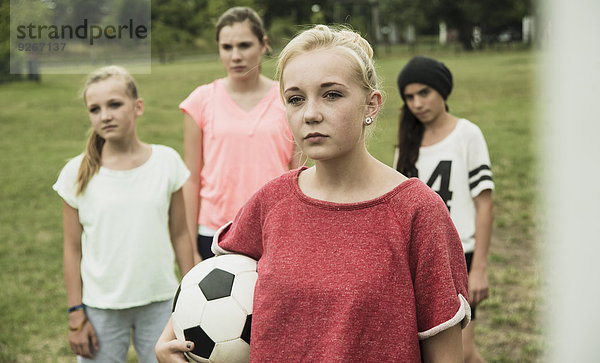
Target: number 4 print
<point>442,171</point>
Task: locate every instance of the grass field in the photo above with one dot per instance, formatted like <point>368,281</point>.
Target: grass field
<point>42,125</point>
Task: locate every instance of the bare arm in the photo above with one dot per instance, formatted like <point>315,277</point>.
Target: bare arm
<point>484,219</point>
<point>445,347</point>
<point>180,237</point>
<point>192,140</point>
<point>81,331</point>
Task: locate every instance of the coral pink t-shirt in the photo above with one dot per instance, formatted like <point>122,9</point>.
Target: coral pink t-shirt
<point>355,282</point>
<point>242,150</point>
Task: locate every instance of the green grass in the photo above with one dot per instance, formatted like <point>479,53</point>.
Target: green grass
<point>42,125</point>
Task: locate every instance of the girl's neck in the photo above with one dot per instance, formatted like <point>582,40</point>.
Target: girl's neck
<point>333,174</point>
<point>245,85</point>
<point>130,145</point>
<point>439,129</point>
<point>246,93</point>
<point>358,179</point>
<point>125,155</point>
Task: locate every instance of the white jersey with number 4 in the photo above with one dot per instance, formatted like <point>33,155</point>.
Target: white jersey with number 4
<point>458,169</point>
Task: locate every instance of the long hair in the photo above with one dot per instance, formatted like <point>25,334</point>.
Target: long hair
<point>90,164</point>
<point>92,157</point>
<point>410,135</point>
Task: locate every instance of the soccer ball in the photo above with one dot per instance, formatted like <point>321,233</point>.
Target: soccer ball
<point>213,308</point>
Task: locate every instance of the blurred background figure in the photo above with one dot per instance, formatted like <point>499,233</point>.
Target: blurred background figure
<point>450,155</point>
<point>123,217</point>
<point>236,134</point>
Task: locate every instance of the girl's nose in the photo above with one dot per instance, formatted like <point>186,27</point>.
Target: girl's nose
<point>417,101</point>
<point>312,112</point>
<point>105,115</point>
<point>235,53</point>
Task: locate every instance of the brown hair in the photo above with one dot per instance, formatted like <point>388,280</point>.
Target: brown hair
<point>410,135</point>
<point>239,14</point>
<point>92,157</point>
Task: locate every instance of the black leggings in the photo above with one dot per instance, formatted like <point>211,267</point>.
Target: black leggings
<point>469,259</point>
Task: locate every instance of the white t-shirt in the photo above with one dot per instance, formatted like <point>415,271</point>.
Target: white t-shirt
<point>458,169</point>
<point>127,257</point>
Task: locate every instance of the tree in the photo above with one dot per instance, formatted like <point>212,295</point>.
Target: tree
<point>5,75</point>
<point>175,25</point>
<point>491,16</point>
<point>406,12</point>
<point>12,15</point>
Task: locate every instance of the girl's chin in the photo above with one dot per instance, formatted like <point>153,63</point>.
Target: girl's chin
<point>241,75</point>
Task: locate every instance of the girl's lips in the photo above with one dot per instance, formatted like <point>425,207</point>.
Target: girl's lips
<point>315,137</point>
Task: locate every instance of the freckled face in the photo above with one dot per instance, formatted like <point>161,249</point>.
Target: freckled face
<point>325,104</point>
<point>425,103</point>
<point>240,50</point>
<point>112,111</point>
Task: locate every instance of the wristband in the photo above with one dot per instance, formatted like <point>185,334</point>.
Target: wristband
<point>80,327</point>
<point>75,308</point>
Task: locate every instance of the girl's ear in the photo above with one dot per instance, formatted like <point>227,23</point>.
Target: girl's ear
<point>374,103</point>
<point>139,107</point>
<point>265,45</point>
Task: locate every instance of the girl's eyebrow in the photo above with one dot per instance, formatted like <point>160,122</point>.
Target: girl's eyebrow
<point>238,43</point>
<point>322,85</point>
<point>291,89</point>
<point>331,84</point>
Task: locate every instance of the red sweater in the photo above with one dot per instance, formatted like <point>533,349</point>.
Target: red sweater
<point>357,282</point>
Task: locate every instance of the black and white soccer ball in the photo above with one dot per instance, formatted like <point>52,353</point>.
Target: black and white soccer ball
<point>213,308</point>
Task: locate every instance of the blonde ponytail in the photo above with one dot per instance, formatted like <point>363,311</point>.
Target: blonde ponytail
<point>91,162</point>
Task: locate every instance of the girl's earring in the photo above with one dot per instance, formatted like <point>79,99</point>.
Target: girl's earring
<point>369,120</point>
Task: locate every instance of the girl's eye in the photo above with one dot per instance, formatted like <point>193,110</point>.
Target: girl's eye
<point>294,100</point>
<point>93,109</point>
<point>226,47</point>
<point>424,93</point>
<point>245,45</point>
<point>115,104</point>
<point>332,95</point>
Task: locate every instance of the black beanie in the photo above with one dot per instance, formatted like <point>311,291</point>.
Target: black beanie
<point>428,71</point>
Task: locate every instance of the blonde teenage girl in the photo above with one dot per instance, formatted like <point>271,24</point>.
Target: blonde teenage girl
<point>123,218</point>
<point>356,263</point>
<point>236,135</point>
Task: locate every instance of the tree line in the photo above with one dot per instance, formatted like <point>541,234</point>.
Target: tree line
<point>188,25</point>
